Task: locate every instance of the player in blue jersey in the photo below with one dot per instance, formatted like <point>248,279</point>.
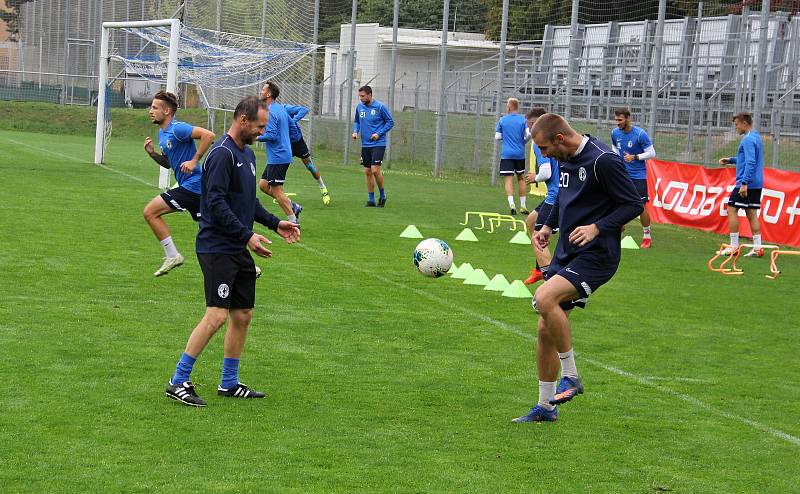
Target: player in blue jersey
<point>546,171</point>
<point>279,153</point>
<point>229,207</point>
<point>635,147</point>
<point>300,148</point>
<point>749,161</point>
<point>596,198</point>
<point>176,140</point>
<point>511,130</point>
<point>373,121</point>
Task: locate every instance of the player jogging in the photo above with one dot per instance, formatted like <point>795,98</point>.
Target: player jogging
<point>300,148</point>
<point>595,199</point>
<point>373,120</point>
<point>511,130</point>
<point>635,147</point>
<point>176,140</point>
<point>749,161</point>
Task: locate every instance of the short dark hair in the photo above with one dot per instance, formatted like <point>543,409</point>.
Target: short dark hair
<point>170,99</point>
<point>366,89</point>
<point>623,110</point>
<point>551,125</point>
<point>536,111</point>
<point>744,116</point>
<point>249,108</point>
<point>274,90</point>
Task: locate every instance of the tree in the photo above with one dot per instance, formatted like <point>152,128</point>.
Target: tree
<point>10,15</point>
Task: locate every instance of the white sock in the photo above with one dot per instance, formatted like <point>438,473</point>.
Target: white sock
<point>522,201</point>
<point>568,367</point>
<point>547,392</point>
<point>646,230</point>
<point>511,202</point>
<point>757,241</point>
<point>321,183</point>
<point>169,247</point>
<point>292,218</point>
<point>734,240</point>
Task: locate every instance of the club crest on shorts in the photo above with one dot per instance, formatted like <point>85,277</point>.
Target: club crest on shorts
<point>223,291</point>
<point>582,174</point>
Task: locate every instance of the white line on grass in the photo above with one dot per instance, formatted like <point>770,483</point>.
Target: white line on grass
<point>512,329</point>
<point>647,381</point>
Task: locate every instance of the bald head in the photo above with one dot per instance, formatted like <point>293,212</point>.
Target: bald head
<point>554,136</point>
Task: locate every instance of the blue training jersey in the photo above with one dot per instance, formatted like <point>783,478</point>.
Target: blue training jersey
<point>513,127</point>
<point>228,203</point>
<point>749,161</point>
<point>178,146</point>
<point>552,182</point>
<point>593,188</point>
<point>296,113</point>
<point>633,142</point>
<point>276,136</point>
<point>374,118</point>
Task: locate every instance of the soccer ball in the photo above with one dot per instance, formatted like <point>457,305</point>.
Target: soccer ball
<point>433,257</point>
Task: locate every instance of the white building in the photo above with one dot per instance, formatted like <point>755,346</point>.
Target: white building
<point>417,73</point>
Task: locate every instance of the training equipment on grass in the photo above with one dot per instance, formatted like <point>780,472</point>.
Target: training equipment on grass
<point>506,218</point>
<point>731,255</point>
<point>498,284</point>
<point>773,257</point>
<point>629,243</point>
<point>467,235</point>
<point>481,215</point>
<point>433,257</point>
<point>521,238</point>
<point>465,270</point>
<point>517,289</point>
<point>477,277</point>
<point>411,232</point>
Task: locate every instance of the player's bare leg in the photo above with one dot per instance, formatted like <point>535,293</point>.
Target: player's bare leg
<point>523,194</point>
<point>644,219</point>
<point>509,188</point>
<point>276,192</point>
<point>378,174</point>
<point>369,178</point>
<point>153,212</point>
<point>755,227</point>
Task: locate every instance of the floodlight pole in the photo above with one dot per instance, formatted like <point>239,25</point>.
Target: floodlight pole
<point>659,49</point>
<point>442,114</point>
<point>350,75</point>
<point>498,106</point>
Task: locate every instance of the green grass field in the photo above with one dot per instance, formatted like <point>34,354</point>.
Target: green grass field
<point>379,380</point>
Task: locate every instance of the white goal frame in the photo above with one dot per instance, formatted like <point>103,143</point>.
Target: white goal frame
<point>105,58</point>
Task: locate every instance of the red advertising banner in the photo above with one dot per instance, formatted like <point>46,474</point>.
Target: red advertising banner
<point>697,197</point>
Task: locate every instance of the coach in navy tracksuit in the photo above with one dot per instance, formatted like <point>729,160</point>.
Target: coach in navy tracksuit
<point>228,208</point>
<point>596,197</point>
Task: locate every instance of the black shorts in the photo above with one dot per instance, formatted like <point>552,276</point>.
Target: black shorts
<point>300,149</point>
<point>641,188</point>
<point>275,174</point>
<point>229,280</point>
<point>543,211</point>
<point>372,156</point>
<point>510,167</point>
<point>180,199</point>
<point>587,272</point>
<point>752,201</point>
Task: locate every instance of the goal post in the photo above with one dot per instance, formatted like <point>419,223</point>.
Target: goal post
<point>105,59</point>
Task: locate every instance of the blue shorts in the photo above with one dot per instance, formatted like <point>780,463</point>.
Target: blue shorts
<point>587,272</point>
<point>372,156</point>
<point>180,199</point>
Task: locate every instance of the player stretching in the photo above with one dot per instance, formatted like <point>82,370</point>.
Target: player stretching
<point>176,140</point>
<point>749,161</point>
<point>547,172</point>
<point>634,146</point>
<point>300,148</point>
<point>279,153</point>
<point>595,199</point>
<point>511,130</point>
<point>373,120</point>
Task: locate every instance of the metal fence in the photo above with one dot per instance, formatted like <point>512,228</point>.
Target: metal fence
<point>445,68</point>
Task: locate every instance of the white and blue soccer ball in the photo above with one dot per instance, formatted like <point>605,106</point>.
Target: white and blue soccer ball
<point>433,257</point>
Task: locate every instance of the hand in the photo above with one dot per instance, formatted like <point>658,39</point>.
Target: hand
<point>373,137</point>
<point>289,231</point>
<point>530,178</point>
<point>541,239</point>
<point>148,146</point>
<point>724,161</point>
<point>188,166</point>
<point>743,190</point>
<point>629,157</point>
<point>584,234</point>
<point>255,244</point>
<point>355,135</point>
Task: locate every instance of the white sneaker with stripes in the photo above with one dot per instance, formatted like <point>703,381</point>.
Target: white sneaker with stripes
<point>240,391</point>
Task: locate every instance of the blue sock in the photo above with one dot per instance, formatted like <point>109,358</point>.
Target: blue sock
<point>371,197</point>
<point>183,369</point>
<point>230,372</point>
<point>383,194</point>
